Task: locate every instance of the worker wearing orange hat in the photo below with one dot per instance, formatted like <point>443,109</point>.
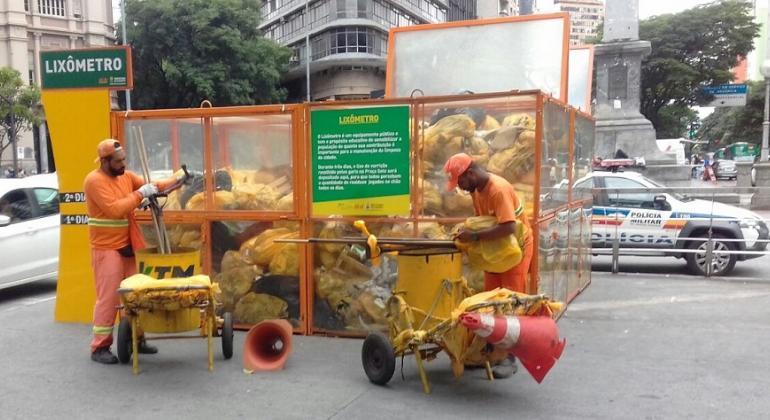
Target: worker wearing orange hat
<point>112,194</point>
<point>493,196</point>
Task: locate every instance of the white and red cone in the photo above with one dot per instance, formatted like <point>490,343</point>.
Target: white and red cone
<point>534,340</point>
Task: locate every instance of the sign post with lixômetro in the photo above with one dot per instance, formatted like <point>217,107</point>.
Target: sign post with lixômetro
<point>76,87</point>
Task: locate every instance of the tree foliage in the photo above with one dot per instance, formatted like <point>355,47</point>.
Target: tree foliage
<point>18,107</point>
<point>691,49</point>
<point>187,51</point>
<point>736,124</point>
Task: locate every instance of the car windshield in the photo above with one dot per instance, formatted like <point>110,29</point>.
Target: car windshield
<point>678,196</point>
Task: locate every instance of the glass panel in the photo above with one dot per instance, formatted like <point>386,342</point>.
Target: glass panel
<point>546,256</point>
<point>350,292</point>
<point>560,232</point>
<point>187,236</point>
<point>254,156</point>
<point>498,133</point>
<point>16,205</point>
<point>580,74</point>
<point>554,176</point>
<point>47,201</point>
<point>168,143</point>
<point>505,56</point>
<point>584,152</point>
<point>259,278</point>
<point>575,250</point>
<point>585,276</point>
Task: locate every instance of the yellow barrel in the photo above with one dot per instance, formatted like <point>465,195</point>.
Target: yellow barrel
<point>421,275</point>
<point>183,262</point>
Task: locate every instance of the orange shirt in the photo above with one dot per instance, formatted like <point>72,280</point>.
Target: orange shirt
<point>499,199</point>
<point>111,200</point>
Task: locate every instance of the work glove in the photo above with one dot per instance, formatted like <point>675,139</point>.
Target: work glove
<point>147,190</point>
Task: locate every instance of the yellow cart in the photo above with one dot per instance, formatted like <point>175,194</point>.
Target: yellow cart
<point>424,317</point>
<point>170,306</point>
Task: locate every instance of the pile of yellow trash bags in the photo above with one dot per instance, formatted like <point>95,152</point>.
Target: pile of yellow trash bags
<point>144,292</point>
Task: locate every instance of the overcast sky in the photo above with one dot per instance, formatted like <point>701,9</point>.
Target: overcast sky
<point>649,8</point>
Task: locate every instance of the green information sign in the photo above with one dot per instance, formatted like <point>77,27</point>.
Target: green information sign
<point>361,161</point>
<point>108,68</point>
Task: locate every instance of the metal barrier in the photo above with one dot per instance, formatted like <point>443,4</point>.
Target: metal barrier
<point>718,221</point>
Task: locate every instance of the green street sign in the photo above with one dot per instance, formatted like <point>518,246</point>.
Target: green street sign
<point>108,68</point>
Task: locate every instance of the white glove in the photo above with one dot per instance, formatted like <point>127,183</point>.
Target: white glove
<point>147,190</point>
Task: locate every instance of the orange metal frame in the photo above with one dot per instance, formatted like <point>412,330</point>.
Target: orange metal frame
<point>564,16</point>
<point>301,155</point>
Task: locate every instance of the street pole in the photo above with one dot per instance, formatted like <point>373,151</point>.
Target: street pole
<point>766,123</point>
<point>307,48</point>
<point>123,22</point>
<point>12,134</point>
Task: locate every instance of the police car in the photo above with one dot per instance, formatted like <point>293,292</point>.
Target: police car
<point>662,223</point>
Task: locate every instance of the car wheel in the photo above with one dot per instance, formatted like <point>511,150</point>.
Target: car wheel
<point>721,264</point>
<point>378,358</point>
<point>124,343</point>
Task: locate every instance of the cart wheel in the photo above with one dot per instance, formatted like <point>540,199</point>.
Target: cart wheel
<point>124,340</point>
<point>227,335</point>
<point>378,358</point>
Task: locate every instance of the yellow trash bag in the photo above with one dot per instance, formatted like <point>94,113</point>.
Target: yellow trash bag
<point>492,256</point>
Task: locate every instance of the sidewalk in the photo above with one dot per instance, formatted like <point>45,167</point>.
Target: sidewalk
<point>637,347</point>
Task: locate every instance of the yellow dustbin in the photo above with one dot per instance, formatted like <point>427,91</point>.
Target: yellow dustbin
<point>421,276</point>
<point>183,262</point>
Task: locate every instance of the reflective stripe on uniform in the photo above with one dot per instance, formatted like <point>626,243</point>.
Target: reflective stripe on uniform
<point>519,210</point>
<point>102,330</point>
<point>117,223</point>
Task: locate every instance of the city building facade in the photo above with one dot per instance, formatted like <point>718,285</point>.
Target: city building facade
<point>30,26</point>
<point>585,17</point>
<point>348,40</point>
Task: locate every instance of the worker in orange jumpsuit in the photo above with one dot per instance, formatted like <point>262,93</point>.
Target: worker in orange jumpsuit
<point>493,196</point>
<point>112,194</point>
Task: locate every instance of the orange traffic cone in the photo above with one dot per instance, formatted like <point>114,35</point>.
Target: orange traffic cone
<point>267,345</point>
<point>532,339</point>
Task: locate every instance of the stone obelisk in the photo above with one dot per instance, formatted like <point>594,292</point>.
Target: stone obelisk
<point>619,124</point>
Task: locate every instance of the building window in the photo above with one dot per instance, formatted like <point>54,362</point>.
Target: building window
<point>26,5</point>
<point>51,7</point>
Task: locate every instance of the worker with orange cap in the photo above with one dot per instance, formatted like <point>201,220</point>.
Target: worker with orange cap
<point>493,196</point>
<point>112,194</point>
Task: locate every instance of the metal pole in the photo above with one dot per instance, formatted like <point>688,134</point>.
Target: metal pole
<point>12,134</point>
<point>766,123</point>
<point>307,48</point>
<point>123,23</point>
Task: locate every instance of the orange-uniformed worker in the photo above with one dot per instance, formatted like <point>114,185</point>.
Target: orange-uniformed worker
<point>112,194</point>
<point>493,196</point>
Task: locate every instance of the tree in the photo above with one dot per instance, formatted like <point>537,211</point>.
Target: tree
<point>18,110</point>
<point>187,51</point>
<point>736,124</point>
<point>690,50</point>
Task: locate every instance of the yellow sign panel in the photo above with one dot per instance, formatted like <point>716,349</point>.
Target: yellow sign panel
<point>373,206</point>
<point>77,121</point>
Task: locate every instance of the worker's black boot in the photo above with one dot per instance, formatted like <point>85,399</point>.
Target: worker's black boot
<point>145,348</point>
<point>104,356</point>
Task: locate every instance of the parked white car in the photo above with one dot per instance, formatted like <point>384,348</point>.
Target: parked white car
<point>669,222</point>
<point>29,229</point>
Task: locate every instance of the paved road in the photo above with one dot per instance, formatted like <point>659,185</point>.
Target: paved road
<point>639,346</point>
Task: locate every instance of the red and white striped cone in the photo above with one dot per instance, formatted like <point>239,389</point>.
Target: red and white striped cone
<point>532,339</point>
